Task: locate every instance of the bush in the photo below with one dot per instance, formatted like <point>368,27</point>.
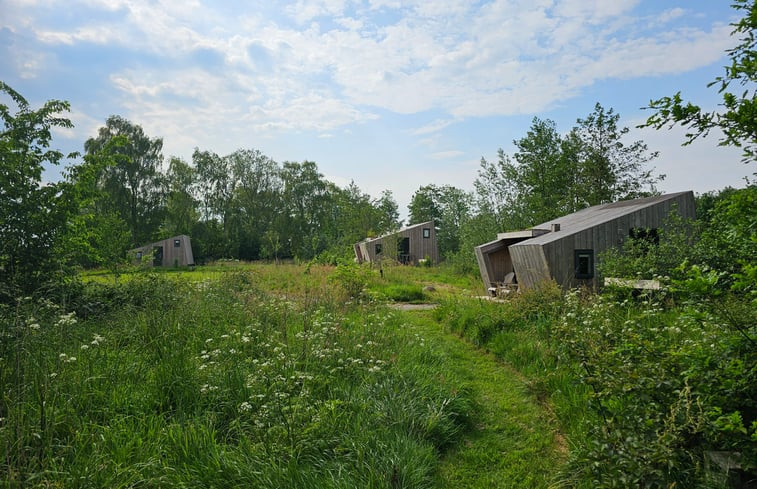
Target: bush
<point>352,279</point>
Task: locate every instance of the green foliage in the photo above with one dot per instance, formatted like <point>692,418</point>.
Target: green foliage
<point>352,279</point>
<point>737,119</point>
<point>33,217</point>
<point>131,183</point>
<point>551,175</point>
<point>449,207</point>
<point>666,386</point>
<point>221,384</point>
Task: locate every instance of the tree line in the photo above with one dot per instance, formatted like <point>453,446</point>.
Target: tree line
<point>548,176</point>
<point>245,205</point>
<point>121,194</point>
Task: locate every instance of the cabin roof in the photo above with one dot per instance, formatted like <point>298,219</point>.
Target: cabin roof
<point>592,216</point>
<point>406,228</point>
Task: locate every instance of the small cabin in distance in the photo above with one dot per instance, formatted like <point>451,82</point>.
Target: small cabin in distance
<point>170,252</point>
<point>407,246</point>
<point>566,249</point>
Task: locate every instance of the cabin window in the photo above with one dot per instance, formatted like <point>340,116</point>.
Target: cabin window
<point>378,248</point>
<point>139,255</point>
<point>176,243</point>
<point>584,263</point>
<point>645,236</point>
<point>426,232</point>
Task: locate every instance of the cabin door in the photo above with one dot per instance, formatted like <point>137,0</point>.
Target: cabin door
<point>403,250</point>
<point>157,256</point>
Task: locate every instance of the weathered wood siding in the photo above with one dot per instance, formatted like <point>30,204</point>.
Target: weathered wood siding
<point>530,264</point>
<point>173,255</point>
<point>420,247</point>
<point>602,236</point>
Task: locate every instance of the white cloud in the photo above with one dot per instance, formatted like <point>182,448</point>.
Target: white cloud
<point>501,57</point>
<point>433,127</point>
<point>445,155</point>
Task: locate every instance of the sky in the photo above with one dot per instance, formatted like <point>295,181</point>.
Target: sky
<point>390,94</point>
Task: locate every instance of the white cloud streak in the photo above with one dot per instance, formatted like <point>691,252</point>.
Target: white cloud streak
<point>323,64</point>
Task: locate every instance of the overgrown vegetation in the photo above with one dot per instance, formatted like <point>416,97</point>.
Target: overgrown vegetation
<point>652,389</point>
<point>218,383</point>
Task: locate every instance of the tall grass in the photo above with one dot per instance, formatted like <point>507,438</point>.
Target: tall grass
<point>644,389</point>
<point>221,382</point>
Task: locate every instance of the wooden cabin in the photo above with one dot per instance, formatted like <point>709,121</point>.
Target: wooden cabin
<point>171,252</point>
<point>566,249</point>
<point>407,246</point>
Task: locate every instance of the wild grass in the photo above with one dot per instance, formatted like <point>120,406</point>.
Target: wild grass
<point>642,388</point>
<point>226,382</point>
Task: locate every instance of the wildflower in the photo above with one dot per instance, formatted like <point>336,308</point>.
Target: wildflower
<point>34,326</point>
<point>66,319</point>
<point>245,406</point>
<point>70,359</point>
<point>224,336</point>
<point>209,340</point>
<point>85,347</point>
<point>62,356</point>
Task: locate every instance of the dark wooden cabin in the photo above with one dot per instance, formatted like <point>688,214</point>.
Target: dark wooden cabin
<point>565,249</point>
<point>171,252</point>
<point>408,245</point>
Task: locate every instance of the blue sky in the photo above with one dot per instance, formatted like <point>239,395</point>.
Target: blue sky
<point>391,94</point>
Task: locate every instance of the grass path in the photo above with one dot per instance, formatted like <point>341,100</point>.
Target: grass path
<point>514,442</point>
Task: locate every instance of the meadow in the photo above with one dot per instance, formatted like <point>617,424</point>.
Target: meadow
<point>304,375</point>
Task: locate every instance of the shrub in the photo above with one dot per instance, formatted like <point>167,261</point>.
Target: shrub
<point>352,279</point>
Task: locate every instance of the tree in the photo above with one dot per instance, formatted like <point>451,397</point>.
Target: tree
<point>133,184</point>
<point>738,117</point>
<point>33,216</point>
<point>97,235</point>
<point>607,168</point>
<point>181,207</point>
<point>498,193</point>
<point>543,172</point>
<point>449,207</point>
<point>388,212</point>
<point>550,176</point>
<point>306,205</point>
<point>255,201</point>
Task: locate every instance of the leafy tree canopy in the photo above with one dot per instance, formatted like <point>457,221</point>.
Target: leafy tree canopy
<point>33,216</point>
<point>737,117</point>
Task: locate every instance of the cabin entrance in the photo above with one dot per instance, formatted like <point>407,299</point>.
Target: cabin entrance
<point>495,263</point>
<point>157,256</point>
<point>403,250</point>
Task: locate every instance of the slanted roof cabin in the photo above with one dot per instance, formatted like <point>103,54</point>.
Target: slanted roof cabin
<point>565,249</point>
<point>171,252</point>
<point>408,245</point>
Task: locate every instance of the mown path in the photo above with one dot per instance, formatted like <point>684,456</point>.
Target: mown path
<point>514,442</point>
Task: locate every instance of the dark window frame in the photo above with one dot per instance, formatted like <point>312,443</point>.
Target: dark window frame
<point>378,248</point>
<point>426,233</point>
<point>177,243</point>
<point>583,263</point>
